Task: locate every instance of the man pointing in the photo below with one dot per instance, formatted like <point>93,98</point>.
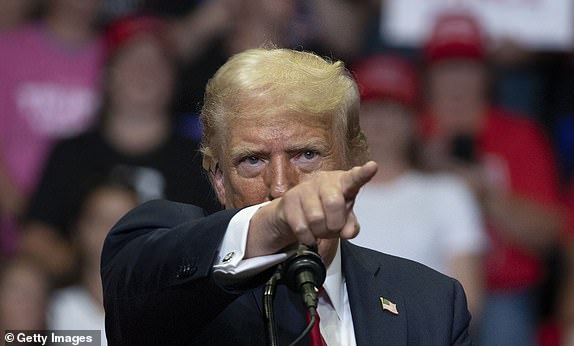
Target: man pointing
<point>284,151</point>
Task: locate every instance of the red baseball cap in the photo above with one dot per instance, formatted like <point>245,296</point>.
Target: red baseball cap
<point>387,77</point>
<point>455,35</point>
<point>122,31</point>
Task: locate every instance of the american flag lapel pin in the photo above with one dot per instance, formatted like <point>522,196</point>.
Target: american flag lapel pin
<point>389,306</point>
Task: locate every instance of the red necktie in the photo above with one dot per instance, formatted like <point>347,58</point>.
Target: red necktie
<point>315,333</point>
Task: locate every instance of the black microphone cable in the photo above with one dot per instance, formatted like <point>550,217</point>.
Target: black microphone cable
<point>305,332</point>
<point>268,296</point>
<point>305,273</point>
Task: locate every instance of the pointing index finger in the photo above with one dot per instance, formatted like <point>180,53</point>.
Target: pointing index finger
<point>357,177</point>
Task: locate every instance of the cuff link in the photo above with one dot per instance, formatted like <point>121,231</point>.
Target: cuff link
<point>228,257</point>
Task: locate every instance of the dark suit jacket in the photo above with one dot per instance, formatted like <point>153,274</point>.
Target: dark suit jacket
<point>158,289</point>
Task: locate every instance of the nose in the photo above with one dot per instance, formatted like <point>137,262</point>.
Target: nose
<point>281,176</point>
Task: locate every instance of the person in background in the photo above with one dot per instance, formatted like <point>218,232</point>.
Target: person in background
<point>80,306</point>
<point>14,13</point>
<point>134,138</point>
<point>50,72</point>
<point>433,219</point>
<point>209,32</point>
<point>508,163</point>
<point>24,294</point>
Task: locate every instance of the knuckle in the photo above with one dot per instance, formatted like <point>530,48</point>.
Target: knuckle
<point>315,217</point>
<point>336,224</point>
<point>299,229</point>
<point>333,202</point>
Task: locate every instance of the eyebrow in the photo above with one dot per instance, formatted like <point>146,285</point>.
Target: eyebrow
<point>317,144</point>
<point>313,144</point>
<point>239,153</point>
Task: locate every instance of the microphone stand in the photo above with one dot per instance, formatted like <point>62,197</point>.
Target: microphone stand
<point>304,273</point>
<point>268,296</point>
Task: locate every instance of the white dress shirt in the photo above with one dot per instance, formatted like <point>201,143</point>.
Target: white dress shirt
<point>334,308</point>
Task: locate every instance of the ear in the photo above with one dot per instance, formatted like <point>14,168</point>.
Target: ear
<point>217,178</point>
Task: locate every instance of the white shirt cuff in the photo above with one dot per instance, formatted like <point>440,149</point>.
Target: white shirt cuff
<point>231,265</point>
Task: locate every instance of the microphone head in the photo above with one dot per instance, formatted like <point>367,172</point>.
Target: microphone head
<point>306,266</point>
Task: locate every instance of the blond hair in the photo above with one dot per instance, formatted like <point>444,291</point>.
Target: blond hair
<point>265,82</point>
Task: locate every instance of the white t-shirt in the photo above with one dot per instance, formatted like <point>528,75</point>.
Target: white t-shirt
<point>423,217</point>
<point>73,308</point>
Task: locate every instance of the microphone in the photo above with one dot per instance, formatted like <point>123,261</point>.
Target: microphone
<point>305,272</point>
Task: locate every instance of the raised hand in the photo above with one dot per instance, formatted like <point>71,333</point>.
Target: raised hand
<point>320,207</point>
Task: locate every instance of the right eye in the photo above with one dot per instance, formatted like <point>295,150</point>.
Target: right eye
<point>250,166</point>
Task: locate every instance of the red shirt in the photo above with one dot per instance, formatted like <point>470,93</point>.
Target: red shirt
<point>518,157</point>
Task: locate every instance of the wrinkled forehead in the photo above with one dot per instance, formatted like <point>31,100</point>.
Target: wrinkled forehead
<point>273,108</point>
<point>279,124</point>
<point>278,118</point>
<point>285,127</point>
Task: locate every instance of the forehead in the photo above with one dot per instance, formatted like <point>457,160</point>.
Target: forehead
<point>279,124</point>
<point>280,131</point>
<point>457,67</point>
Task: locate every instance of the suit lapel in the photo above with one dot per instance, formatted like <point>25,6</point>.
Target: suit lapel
<point>365,285</point>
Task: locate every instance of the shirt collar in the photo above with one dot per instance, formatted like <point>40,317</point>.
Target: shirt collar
<point>334,283</point>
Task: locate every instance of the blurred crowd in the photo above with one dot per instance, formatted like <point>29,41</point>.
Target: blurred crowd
<point>99,103</point>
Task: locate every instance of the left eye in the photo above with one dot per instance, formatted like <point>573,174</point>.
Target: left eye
<point>309,154</point>
<point>252,160</point>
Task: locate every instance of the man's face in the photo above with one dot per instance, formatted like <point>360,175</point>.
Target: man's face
<point>141,74</point>
<point>457,91</point>
<point>389,127</point>
<point>264,159</point>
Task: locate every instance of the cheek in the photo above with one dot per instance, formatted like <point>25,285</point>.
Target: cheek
<point>241,192</point>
